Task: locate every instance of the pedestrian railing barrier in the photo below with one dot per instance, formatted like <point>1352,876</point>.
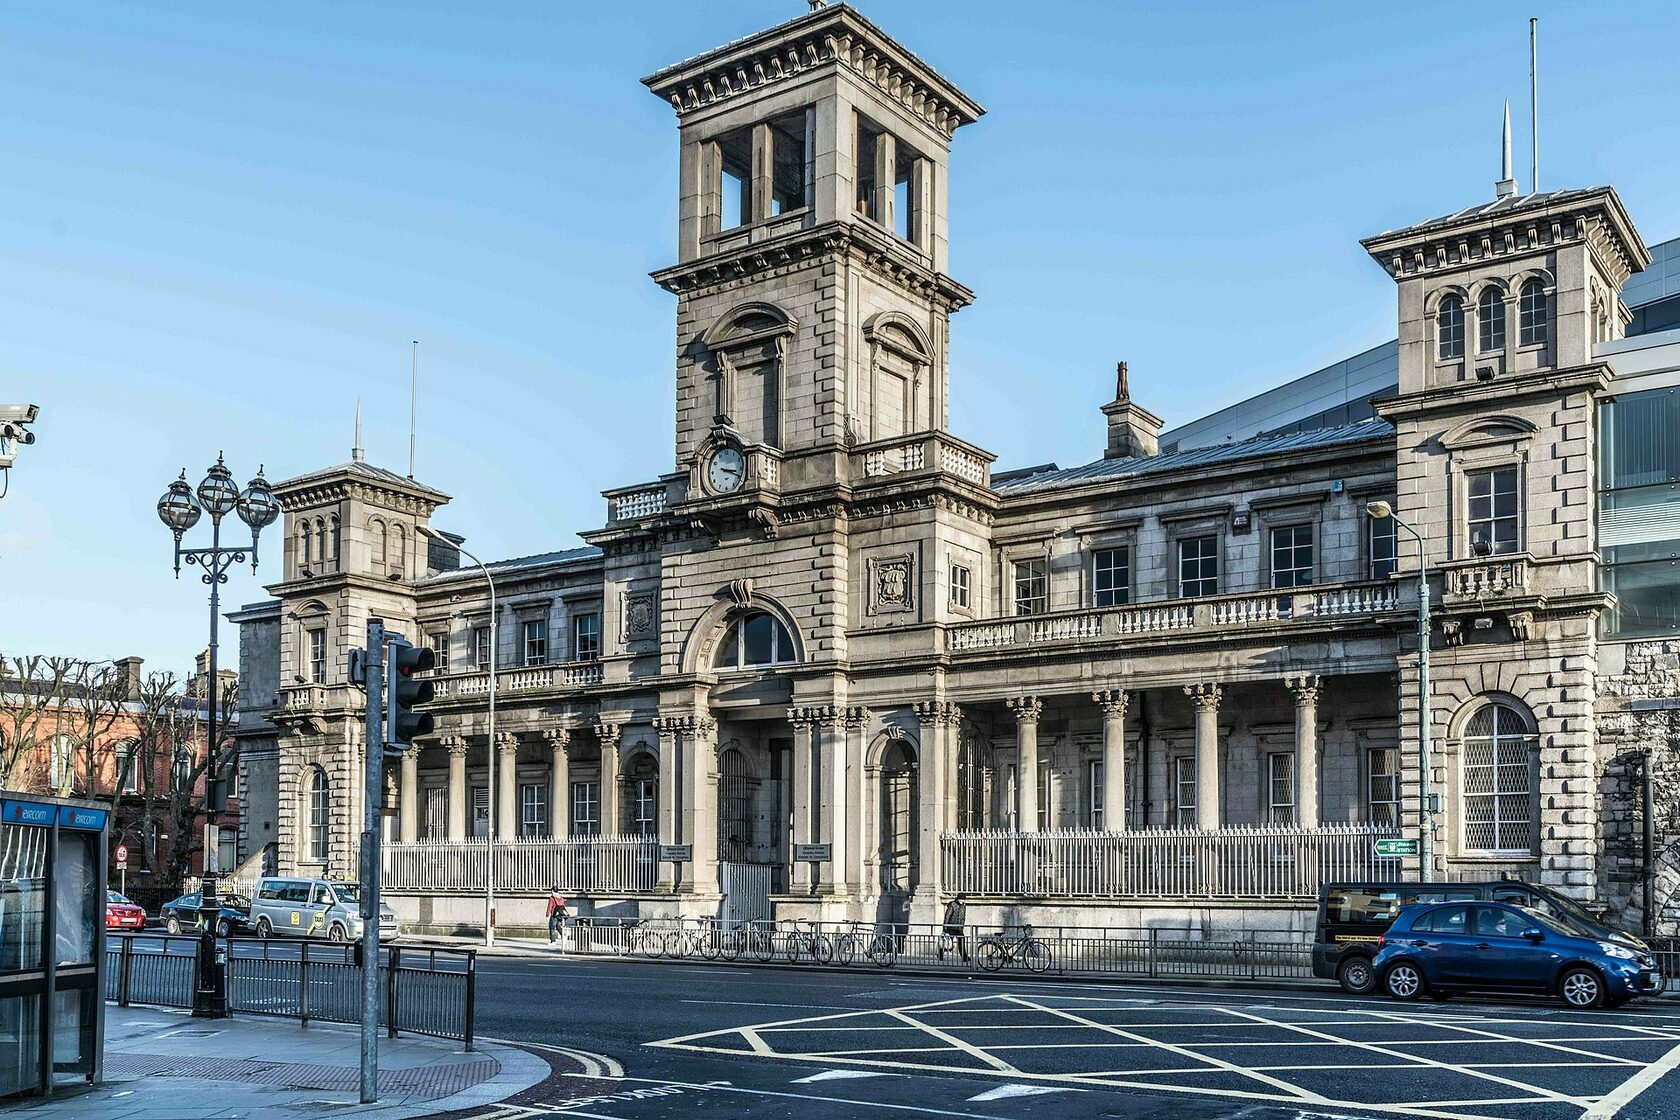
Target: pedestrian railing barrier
<point>1049,950</point>
<point>1262,862</point>
<point>426,991</point>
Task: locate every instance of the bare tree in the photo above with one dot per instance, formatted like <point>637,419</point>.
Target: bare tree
<point>93,699</point>
<point>32,691</point>
<point>166,727</point>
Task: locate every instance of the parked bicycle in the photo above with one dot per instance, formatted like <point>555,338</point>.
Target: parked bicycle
<point>880,948</point>
<point>803,937</point>
<point>998,949</point>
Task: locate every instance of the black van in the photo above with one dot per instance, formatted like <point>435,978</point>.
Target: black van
<point>1352,917</point>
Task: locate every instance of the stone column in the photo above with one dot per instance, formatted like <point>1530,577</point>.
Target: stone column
<point>848,866</point>
<point>458,793</point>
<point>933,720</point>
<point>507,788</point>
<point>1206,698</point>
<point>1113,703</point>
<point>408,795</point>
<point>559,783</point>
<point>1027,709</point>
<point>608,733</point>
<point>803,783</point>
<point>1305,689</point>
<point>700,810</point>
<point>953,767</point>
<point>669,791</point>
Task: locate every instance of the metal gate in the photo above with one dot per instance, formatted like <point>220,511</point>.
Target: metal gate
<point>746,892</point>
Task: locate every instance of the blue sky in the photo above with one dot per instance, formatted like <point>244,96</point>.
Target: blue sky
<point>220,224</point>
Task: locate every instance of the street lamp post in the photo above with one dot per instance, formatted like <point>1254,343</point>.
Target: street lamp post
<point>1426,797</point>
<point>180,509</point>
<point>491,822</point>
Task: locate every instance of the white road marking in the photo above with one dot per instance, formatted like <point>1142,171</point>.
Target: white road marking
<point>725,1087</point>
<point>1542,1043</point>
<point>971,1050</point>
<point>595,1065</point>
<point>749,1003</point>
<point>1619,1097</point>
<point>839,1074</point>
<point>1003,1092</point>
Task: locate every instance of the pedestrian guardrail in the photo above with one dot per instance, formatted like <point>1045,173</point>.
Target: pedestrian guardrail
<point>428,991</point>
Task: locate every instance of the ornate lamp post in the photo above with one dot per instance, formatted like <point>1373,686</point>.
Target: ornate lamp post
<point>1426,796</point>
<point>180,509</point>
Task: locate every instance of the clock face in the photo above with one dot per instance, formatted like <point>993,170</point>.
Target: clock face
<point>725,470</point>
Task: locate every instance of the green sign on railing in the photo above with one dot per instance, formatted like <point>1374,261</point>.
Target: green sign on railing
<point>1395,847</point>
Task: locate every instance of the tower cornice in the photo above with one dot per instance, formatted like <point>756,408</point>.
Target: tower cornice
<point>832,37</point>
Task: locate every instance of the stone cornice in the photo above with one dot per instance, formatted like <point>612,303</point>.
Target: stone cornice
<point>1477,396</point>
<point>831,38</point>
<point>874,249</point>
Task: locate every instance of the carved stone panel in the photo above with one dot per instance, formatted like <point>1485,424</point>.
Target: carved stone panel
<point>892,584</point>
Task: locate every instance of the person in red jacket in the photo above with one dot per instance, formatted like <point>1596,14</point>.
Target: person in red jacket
<point>556,914</point>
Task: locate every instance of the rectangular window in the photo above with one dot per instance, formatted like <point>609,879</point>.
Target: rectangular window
<point>480,811</point>
<point>436,816</point>
<point>1046,812</point>
<point>904,175</point>
<point>644,808</point>
<point>440,649</point>
<point>586,637</point>
<point>1198,566</point>
<point>1292,556</point>
<point>1382,786</point>
<point>318,656</point>
<point>1111,576</point>
<point>1094,783</point>
<point>1032,586</point>
<point>961,587</point>
<point>533,809</point>
<point>586,808</point>
<point>1280,788</point>
<point>1493,511</point>
<point>481,647</point>
<point>533,636</point>
<point>868,140</point>
<point>1380,545</point>
<point>1184,791</point>
<point>734,184</point>
<point>788,152</point>
<point>128,769</point>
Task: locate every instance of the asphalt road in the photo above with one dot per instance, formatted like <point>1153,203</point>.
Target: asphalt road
<point>703,1041</point>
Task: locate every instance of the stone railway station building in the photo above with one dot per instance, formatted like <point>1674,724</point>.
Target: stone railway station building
<point>843,669</point>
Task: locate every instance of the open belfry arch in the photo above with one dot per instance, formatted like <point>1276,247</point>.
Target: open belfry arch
<point>824,663</point>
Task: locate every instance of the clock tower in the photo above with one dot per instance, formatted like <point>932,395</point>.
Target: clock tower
<point>811,265</point>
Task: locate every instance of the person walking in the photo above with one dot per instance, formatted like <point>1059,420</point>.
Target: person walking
<point>954,929</point>
<point>556,914</point>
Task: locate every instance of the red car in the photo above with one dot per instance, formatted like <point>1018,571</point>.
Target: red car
<point>121,915</point>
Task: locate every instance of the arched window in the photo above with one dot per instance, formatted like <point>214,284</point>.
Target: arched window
<point>305,540</point>
<point>379,543</point>
<point>1490,321</point>
<point>318,808</point>
<point>320,542</point>
<point>1533,311</point>
<point>895,854</point>
<point>336,537</point>
<point>1449,328</point>
<point>398,553</point>
<point>1497,784</point>
<point>753,640</point>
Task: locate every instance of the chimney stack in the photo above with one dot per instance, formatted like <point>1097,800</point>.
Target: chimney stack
<point>128,671</point>
<point>1133,431</point>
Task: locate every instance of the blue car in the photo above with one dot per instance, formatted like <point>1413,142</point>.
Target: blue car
<point>182,915</point>
<point>1444,948</point>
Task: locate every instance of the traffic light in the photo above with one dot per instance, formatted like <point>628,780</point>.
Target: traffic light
<point>404,689</point>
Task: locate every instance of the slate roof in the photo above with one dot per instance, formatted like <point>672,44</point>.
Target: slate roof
<point>1499,208</point>
<point>516,564</point>
<point>1257,448</point>
<point>368,471</point>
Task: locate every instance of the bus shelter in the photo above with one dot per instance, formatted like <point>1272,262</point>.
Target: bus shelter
<point>52,943</point>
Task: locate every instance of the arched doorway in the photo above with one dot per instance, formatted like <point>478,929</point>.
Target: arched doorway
<point>895,831</point>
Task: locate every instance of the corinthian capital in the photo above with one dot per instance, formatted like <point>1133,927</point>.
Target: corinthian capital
<point>1305,688</point>
<point>557,738</point>
<point>1026,708</point>
<point>1113,701</point>
<point>1205,695</point>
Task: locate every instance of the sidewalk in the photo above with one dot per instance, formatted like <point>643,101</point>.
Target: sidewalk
<point>166,1065</point>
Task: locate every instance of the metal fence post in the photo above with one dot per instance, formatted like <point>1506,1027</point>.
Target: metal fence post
<point>472,987</point>
<point>303,983</point>
<point>393,962</point>
<point>125,970</point>
<point>1154,943</point>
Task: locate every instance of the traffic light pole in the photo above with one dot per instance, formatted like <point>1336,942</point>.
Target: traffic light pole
<point>373,797</point>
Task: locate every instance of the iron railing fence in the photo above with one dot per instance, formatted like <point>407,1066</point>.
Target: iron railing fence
<point>578,864</point>
<point>1119,952</point>
<point>1261,862</point>
<point>427,991</point>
